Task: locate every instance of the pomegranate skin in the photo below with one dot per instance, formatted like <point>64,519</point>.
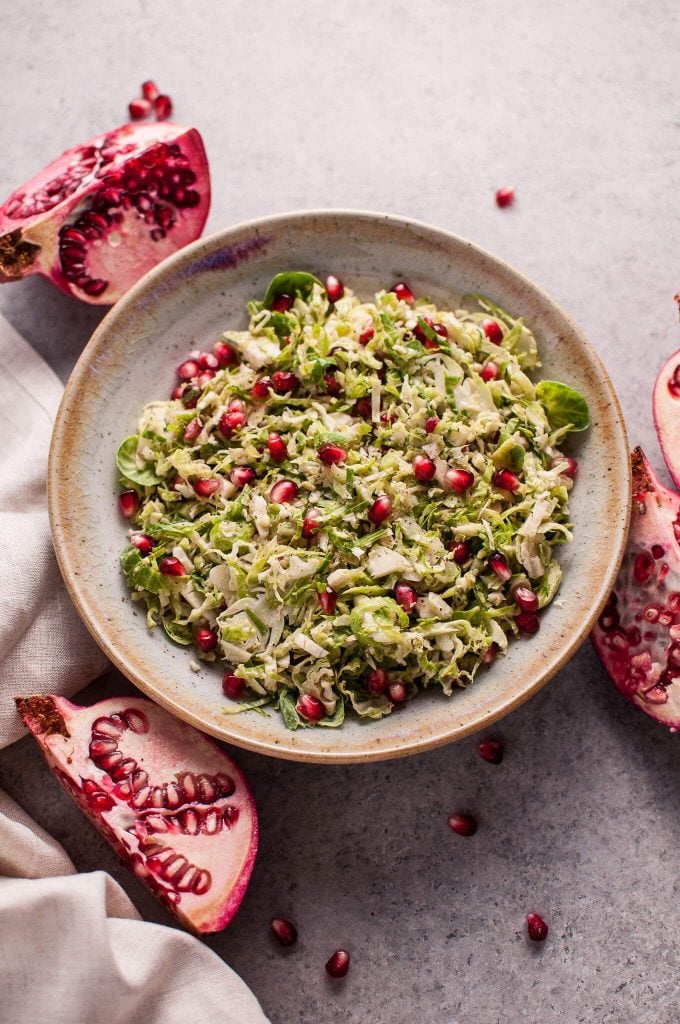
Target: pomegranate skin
<point>637,635</point>
<point>204,814</point>
<point>666,407</point>
<point>105,212</point>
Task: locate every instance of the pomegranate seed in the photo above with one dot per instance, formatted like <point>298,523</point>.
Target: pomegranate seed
<point>311,525</point>
<point>128,502</point>
<point>170,566</point>
<point>284,382</point>
<point>177,482</point>
<point>489,372</point>
<point>283,930</point>
<point>163,107</point>
<point>490,750</point>
<point>431,425</point>
<point>226,356</point>
<point>328,599</point>
<point>331,454</point>
<point>332,385</point>
<point>459,480</point>
<point>490,654</point>
<point>208,361</point>
<point>334,288</point>
<point>150,90</point>
<point>206,639</point>
<point>231,421</point>
<point>406,596</point>
<point>283,491</point>
<point>505,197</point>
<point>380,510</point>
<point>397,693</point>
<point>537,929</point>
<point>236,405</point>
<point>500,567</point>
<point>506,480</point>
<point>192,430</point>
<point>188,369</point>
<point>338,964</point>
<point>461,551</point>
<point>142,542</point>
<point>242,475</point>
<point>362,407</point>
<point>420,333</point>
<point>463,824</point>
<point>377,681</point>
<point>423,468</point>
<point>190,396</point>
<point>260,388</point>
<point>233,686</point>
<point>403,292</point>
<point>310,707</point>
<point>277,447</point>
<point>528,622</point>
<point>367,333</point>
<point>492,330</point>
<point>571,468</point>
<point>139,109</point>
<point>282,303</point>
<point>525,598</point>
<point>206,487</point>
<point>177,391</point>
<point>204,378</point>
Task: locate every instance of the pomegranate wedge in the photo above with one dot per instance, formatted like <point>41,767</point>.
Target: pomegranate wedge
<point>666,406</point>
<point>638,633</point>
<point>175,808</point>
<point>102,214</point>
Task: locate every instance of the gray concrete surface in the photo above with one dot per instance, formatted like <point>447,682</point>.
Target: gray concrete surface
<point>422,109</point>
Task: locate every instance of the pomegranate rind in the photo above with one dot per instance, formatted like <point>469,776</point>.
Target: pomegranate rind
<point>666,409</point>
<point>30,242</point>
<point>167,750</point>
<point>633,635</point>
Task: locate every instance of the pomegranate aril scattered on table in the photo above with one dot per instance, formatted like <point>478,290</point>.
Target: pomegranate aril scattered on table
<point>128,502</point>
<point>505,197</point>
<point>338,964</point>
<point>491,750</point>
<point>537,929</point>
<point>463,824</point>
<point>283,930</point>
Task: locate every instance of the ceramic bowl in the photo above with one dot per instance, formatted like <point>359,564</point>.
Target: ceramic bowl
<point>185,303</point>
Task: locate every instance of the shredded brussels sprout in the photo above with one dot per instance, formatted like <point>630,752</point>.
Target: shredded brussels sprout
<point>281,519</point>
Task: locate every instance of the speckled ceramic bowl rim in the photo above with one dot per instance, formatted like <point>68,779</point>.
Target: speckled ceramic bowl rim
<point>95,620</point>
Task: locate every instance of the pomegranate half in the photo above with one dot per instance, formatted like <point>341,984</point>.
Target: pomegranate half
<point>176,809</point>
<point>638,634</point>
<point>666,407</point>
<point>105,212</point>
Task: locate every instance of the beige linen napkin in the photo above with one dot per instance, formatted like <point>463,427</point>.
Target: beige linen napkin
<point>72,947</point>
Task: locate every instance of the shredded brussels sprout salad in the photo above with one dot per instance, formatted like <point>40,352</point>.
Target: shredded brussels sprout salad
<point>351,500</point>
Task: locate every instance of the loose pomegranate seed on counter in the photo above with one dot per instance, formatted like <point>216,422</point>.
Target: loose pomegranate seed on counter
<point>403,292</point>
<point>499,565</point>
<point>332,385</point>
<point>242,475</point>
<point>528,622</point>
<point>205,487</point>
<point>331,454</point>
<point>492,330</point>
<point>128,502</point>
<point>208,361</point>
<point>459,480</point>
<point>206,639</point>
<point>170,566</point>
<point>406,596</point>
<point>380,510</point>
<point>334,288</point>
<point>423,468</point>
<point>283,491</point>
<point>226,356</point>
<point>505,197</point>
<point>142,542</point>
<point>192,430</point>
<point>461,551</point>
<point>506,480</point>
<point>231,421</point>
<point>284,382</point>
<point>463,824</point>
<point>282,303</point>
<point>277,447</point>
<point>338,964</point>
<point>188,369</point>
<point>367,333</point>
<point>525,598</point>
<point>537,929</point>
<point>163,107</point>
<point>377,681</point>
<point>139,109</point>
<point>431,425</point>
<point>150,90</point>
<point>397,692</point>
<point>310,707</point>
<point>311,524</point>
<point>260,389</point>
<point>489,372</point>
<point>233,686</point>
<point>283,930</point>
<point>491,750</point>
<point>328,599</point>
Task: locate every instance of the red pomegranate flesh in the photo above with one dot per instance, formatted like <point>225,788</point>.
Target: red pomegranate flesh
<point>176,809</point>
<point>638,634</point>
<point>666,406</point>
<point>105,212</point>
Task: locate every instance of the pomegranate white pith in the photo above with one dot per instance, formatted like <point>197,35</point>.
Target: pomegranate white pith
<point>102,214</point>
<point>666,407</point>
<point>638,634</point>
<point>176,809</point>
